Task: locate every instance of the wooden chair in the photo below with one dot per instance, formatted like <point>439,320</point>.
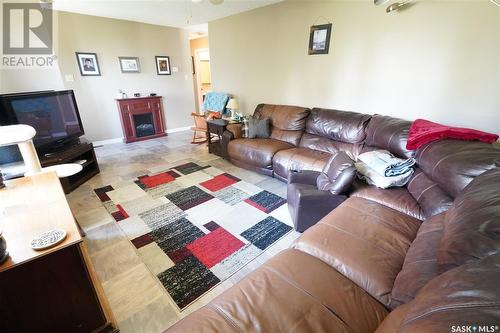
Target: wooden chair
<point>214,104</point>
<point>200,125</point>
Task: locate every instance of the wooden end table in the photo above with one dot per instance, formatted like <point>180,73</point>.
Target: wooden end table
<point>215,129</point>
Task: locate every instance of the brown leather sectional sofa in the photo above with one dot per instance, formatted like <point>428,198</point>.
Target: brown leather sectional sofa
<point>424,258</point>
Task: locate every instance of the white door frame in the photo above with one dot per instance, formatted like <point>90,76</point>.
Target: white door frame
<point>197,68</point>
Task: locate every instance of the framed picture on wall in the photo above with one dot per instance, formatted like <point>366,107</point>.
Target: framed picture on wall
<point>319,39</point>
<point>163,65</point>
<point>129,64</point>
<point>88,64</point>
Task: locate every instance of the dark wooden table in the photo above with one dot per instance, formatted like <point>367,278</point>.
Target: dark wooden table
<point>215,129</point>
<point>52,290</point>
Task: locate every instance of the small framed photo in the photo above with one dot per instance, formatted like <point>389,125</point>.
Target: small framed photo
<point>88,64</point>
<point>163,65</point>
<point>129,64</point>
<point>319,39</point>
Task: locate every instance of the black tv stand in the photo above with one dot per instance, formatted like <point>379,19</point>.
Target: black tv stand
<point>78,151</point>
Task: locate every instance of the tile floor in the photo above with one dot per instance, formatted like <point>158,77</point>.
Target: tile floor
<point>138,300</point>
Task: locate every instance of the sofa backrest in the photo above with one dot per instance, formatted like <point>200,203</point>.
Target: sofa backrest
<point>421,264</point>
<point>466,296</point>
<point>472,225</point>
<point>429,195</point>
<point>287,122</point>
<point>453,164</point>
<point>332,130</point>
<point>384,132</point>
<point>457,281</point>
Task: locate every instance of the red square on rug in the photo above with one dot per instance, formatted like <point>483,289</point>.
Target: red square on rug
<point>219,182</point>
<point>152,181</point>
<point>214,247</point>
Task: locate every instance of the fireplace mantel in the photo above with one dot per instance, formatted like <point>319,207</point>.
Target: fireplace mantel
<point>141,118</point>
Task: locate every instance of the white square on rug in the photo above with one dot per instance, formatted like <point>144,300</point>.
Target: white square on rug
<point>241,217</point>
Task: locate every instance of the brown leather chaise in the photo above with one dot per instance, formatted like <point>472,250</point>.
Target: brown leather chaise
<point>312,195</point>
<point>424,258</point>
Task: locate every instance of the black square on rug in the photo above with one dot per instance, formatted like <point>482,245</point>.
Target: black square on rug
<point>190,167</point>
<point>187,280</point>
<point>266,232</point>
<point>189,197</point>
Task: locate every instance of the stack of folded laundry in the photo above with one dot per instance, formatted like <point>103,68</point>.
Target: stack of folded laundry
<point>384,170</point>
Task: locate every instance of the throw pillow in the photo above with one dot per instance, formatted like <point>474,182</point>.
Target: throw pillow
<point>244,127</point>
<point>259,128</point>
<point>338,174</point>
<point>213,115</point>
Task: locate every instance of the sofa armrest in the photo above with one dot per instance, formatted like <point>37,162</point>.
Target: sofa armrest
<point>303,177</point>
<point>308,205</point>
<point>224,142</point>
<point>236,129</point>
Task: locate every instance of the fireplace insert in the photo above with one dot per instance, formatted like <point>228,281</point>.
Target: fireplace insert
<point>144,125</point>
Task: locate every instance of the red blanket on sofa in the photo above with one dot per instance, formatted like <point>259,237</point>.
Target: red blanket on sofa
<point>424,131</point>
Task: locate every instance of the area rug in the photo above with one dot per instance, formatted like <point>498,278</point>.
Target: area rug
<point>194,226</point>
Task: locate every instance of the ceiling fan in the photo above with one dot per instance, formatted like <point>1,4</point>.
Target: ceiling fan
<point>213,2</point>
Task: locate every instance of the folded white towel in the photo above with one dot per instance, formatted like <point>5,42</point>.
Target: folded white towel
<point>372,177</point>
<point>379,160</point>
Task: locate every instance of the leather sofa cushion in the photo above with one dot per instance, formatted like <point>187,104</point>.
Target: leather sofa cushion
<point>337,175</point>
<point>288,122</point>
<point>337,125</point>
<point>256,152</point>
<point>388,133</point>
<point>429,195</point>
<point>298,159</point>
<point>365,241</point>
<point>279,297</point>
<point>320,143</point>
<point>472,225</point>
<point>392,322</point>
<point>453,163</point>
<point>421,263</point>
<point>397,198</point>
<point>465,296</point>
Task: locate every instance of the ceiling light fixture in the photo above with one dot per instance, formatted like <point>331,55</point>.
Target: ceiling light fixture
<point>379,2</point>
<point>213,2</point>
<point>397,6</point>
<point>495,2</point>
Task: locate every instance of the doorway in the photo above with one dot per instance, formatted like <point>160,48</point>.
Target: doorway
<point>202,77</point>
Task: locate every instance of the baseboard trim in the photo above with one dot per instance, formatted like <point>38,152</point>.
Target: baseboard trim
<point>118,140</point>
<point>178,129</point>
<point>107,142</point>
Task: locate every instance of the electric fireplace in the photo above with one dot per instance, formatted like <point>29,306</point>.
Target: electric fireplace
<point>141,118</point>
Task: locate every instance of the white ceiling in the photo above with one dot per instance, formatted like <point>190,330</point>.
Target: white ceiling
<point>174,13</point>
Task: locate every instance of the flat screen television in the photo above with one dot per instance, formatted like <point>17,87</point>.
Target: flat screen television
<point>53,114</point>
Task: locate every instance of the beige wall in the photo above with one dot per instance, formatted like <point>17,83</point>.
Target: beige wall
<point>437,59</point>
<point>111,38</point>
<point>32,79</point>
